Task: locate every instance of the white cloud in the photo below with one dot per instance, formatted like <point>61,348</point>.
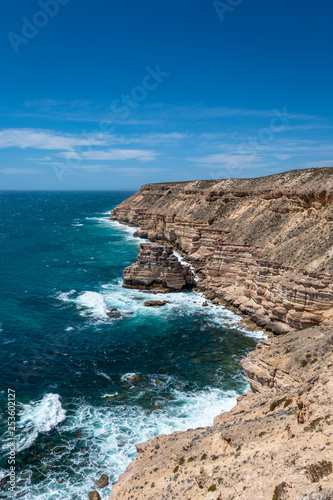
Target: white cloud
<point>149,139</point>
<point>19,171</point>
<point>125,170</point>
<point>282,156</point>
<point>45,139</point>
<point>222,158</point>
<point>111,154</point>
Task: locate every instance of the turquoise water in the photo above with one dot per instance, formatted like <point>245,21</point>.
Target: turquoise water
<point>70,362</point>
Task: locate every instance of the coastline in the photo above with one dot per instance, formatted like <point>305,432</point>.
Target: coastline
<point>285,435</point>
<point>275,441</point>
<point>252,240</point>
<point>246,324</point>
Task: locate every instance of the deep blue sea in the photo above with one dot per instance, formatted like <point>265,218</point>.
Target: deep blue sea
<point>78,414</point>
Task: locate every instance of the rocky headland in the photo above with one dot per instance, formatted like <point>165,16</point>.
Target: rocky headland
<point>265,246</point>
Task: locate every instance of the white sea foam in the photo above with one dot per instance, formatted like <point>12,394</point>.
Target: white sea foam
<point>126,377</point>
<point>110,395</point>
<point>183,262</point>
<point>65,296</point>
<point>93,305</point>
<point>123,227</point>
<point>182,304</point>
<point>102,374</point>
<point>127,231</point>
<point>115,224</point>
<point>90,304</point>
<point>110,433</point>
<point>38,417</point>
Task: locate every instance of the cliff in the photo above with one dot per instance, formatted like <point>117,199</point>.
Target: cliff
<point>159,269</point>
<point>264,245</point>
<point>276,444</point>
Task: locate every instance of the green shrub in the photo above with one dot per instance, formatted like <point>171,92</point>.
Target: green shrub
<point>212,487</point>
<point>316,472</point>
<point>279,491</point>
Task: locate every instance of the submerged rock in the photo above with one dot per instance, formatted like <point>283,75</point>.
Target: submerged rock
<point>102,482</point>
<point>156,303</point>
<point>135,378</point>
<point>4,481</point>
<point>22,494</point>
<point>94,495</point>
<point>114,313</point>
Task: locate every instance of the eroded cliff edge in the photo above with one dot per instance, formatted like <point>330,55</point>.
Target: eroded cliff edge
<point>264,245</point>
<point>276,444</point>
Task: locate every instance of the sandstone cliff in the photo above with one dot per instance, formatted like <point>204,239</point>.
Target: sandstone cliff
<point>276,444</point>
<point>158,268</point>
<point>264,245</point>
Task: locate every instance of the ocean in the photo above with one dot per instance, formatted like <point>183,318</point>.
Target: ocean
<point>70,361</point>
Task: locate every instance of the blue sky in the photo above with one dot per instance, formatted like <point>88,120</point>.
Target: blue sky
<point>112,94</point>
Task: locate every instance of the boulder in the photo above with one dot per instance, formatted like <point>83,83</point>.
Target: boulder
<point>156,303</point>
<point>102,481</point>
<point>94,495</point>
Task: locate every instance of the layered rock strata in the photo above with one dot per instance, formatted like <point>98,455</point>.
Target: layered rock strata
<point>158,268</point>
<point>276,444</point>
<point>264,245</point>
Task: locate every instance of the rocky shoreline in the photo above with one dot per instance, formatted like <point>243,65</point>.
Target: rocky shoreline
<point>276,443</point>
<point>264,246</point>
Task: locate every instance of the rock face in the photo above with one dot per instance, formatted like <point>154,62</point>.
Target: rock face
<point>264,245</point>
<point>277,443</point>
<point>158,268</point>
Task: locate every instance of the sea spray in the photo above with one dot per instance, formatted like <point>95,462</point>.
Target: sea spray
<point>38,417</point>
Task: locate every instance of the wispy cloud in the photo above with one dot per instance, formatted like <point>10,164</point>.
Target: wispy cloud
<point>221,158</point>
<point>45,139</point>
<point>19,171</point>
<point>149,114</point>
<point>24,138</point>
<point>124,170</point>
<point>111,154</point>
<point>151,139</point>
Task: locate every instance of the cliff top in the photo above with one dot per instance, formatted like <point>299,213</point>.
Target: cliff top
<point>311,178</point>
